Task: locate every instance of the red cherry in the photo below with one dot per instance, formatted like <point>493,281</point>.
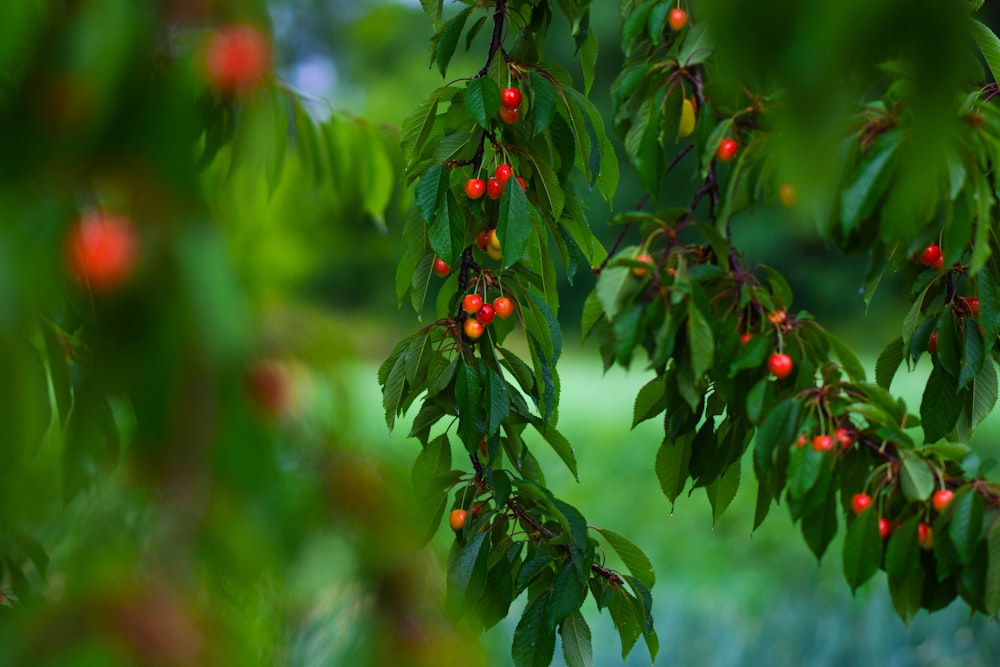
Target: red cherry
<point>726,150</point>
<point>509,116</point>
<point>780,364</point>
<point>822,443</point>
<point>510,98</point>
<point>473,328</point>
<point>522,183</point>
<point>494,188</point>
<point>843,436</point>
<point>471,303</point>
<point>941,498</point>
<point>483,239</point>
<point>932,343</point>
<point>860,502</point>
<point>503,307</point>
<point>475,188</point>
<point>503,173</point>
<point>441,269</point>
<point>457,519</point>
<point>777,317</point>
<point>973,302</point>
<point>930,255</point>
<point>677,19</point>
<point>883,528</point>
<point>938,263</point>
<point>237,58</point>
<point>485,314</point>
<point>925,536</point>
<point>482,447</point>
<point>801,442</point>
<point>103,249</point>
<point>745,338</point>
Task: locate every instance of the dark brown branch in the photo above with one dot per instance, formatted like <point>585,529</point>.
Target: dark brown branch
<point>499,18</point>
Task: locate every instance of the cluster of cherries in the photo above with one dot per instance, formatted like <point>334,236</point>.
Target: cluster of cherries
<point>824,442</point>
<point>475,188</point>
<point>860,502</point>
<point>481,314</point>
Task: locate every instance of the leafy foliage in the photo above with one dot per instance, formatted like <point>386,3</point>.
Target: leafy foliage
<point>734,366</point>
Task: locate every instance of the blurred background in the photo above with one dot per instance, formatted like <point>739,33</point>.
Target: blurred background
<point>238,499</point>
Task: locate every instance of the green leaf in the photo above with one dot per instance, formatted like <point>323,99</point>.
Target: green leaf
<point>902,557</point>
<point>576,643</point>
<point>433,460</point>
<point>467,570</point>
<point>722,491</point>
<point>514,223</point>
<point>906,594</point>
<point>643,145</point>
<point>482,99</point>
<point>545,184</point>
<point>534,640</point>
<point>984,205</point>
<point>498,401</point>
<point>533,565</point>
<point>393,390</point>
<point>820,525</point>
<point>569,590</point>
<point>966,524</point>
<point>988,45</point>
<point>624,614</point>
<point>607,162</point>
<point>378,177</point>
<point>700,340</point>
<point>778,430</point>
<point>862,549</point>
<point>989,306</point>
<point>858,200</point>
<point>672,461</point>
<point>418,126</point>
<point>430,192</point>
<point>635,23</point>
<point>948,353</point>
<point>635,560</point>
<point>888,363</point>
<point>615,286</point>
<point>470,395</point>
<point>543,95</point>
<point>588,60</point>
<point>848,359</point>
<point>447,37</point>
<point>650,401</point>
<point>433,10</point>
<point>560,445</point>
<point>991,596</point>
<point>940,406</point>
<point>982,395</point>
<point>973,355</point>
<point>916,476</point>
<point>804,467</point>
